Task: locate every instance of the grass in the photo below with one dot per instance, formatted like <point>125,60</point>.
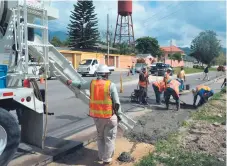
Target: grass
<point>169,152</point>
<point>191,70</point>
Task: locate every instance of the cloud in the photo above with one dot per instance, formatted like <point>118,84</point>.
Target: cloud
<point>180,21</point>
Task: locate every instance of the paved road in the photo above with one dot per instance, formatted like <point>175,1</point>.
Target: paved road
<point>115,76</point>
<point>71,113</point>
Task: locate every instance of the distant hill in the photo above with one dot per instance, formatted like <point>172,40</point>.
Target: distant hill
<point>59,34</point>
<point>187,50</point>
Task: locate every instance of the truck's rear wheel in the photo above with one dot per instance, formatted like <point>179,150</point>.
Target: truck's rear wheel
<point>9,136</point>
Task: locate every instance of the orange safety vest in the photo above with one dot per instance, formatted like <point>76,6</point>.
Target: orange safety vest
<point>174,84</point>
<point>160,85</point>
<point>100,100</point>
<point>206,88</point>
<point>144,83</point>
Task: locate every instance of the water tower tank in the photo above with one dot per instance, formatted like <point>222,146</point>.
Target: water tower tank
<point>124,7</point>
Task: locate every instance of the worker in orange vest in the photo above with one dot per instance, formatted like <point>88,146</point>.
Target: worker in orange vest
<point>105,110</point>
<point>159,87</point>
<point>204,92</point>
<point>172,88</point>
<point>143,83</point>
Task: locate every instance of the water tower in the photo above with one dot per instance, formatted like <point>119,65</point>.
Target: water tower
<point>124,25</point>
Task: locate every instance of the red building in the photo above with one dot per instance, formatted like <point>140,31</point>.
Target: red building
<point>172,50</point>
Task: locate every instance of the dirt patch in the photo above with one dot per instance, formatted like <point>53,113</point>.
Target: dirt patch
<point>206,138</point>
<point>89,155</point>
<point>157,125</point>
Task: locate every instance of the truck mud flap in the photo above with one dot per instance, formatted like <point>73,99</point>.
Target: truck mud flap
<point>42,91</point>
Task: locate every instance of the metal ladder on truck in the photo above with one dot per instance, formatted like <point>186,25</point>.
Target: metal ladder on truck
<point>38,11</point>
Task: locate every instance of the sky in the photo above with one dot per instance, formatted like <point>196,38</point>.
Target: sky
<point>179,21</point>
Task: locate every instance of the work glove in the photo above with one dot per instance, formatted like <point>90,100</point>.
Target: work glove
<point>69,82</point>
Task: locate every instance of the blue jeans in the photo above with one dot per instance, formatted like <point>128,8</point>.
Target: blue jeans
<point>157,94</point>
<point>181,83</point>
<point>133,71</point>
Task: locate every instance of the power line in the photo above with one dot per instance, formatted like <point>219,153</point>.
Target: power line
<point>170,14</point>
<point>167,6</point>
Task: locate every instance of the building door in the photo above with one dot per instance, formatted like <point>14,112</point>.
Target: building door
<point>111,61</point>
<point>117,61</point>
<point>106,59</point>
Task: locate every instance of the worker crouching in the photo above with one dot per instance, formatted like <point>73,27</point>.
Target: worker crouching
<point>204,92</point>
<point>172,89</point>
<point>159,87</point>
<point>143,83</point>
<point>105,110</point>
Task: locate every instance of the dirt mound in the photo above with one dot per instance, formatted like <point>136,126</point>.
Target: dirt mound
<point>206,138</point>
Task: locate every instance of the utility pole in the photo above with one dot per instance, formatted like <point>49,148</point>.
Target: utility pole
<point>108,39</point>
<point>171,51</point>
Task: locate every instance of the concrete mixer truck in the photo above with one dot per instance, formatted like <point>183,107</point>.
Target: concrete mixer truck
<point>19,90</point>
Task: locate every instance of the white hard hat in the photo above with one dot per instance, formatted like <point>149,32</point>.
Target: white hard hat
<point>102,69</point>
<point>169,69</point>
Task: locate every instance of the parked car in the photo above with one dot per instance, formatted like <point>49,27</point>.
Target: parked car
<point>153,68</point>
<point>111,68</point>
<point>89,67</point>
<point>221,68</point>
<point>161,68</point>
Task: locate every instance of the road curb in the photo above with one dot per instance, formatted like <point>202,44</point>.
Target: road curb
<point>213,81</point>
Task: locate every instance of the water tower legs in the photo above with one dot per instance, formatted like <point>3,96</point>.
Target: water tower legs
<point>124,30</point>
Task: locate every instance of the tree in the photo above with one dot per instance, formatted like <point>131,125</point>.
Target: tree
<point>221,60</point>
<point>83,29</point>
<point>176,56</point>
<point>66,42</point>
<point>124,48</point>
<point>205,47</point>
<point>56,41</point>
<point>148,45</point>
